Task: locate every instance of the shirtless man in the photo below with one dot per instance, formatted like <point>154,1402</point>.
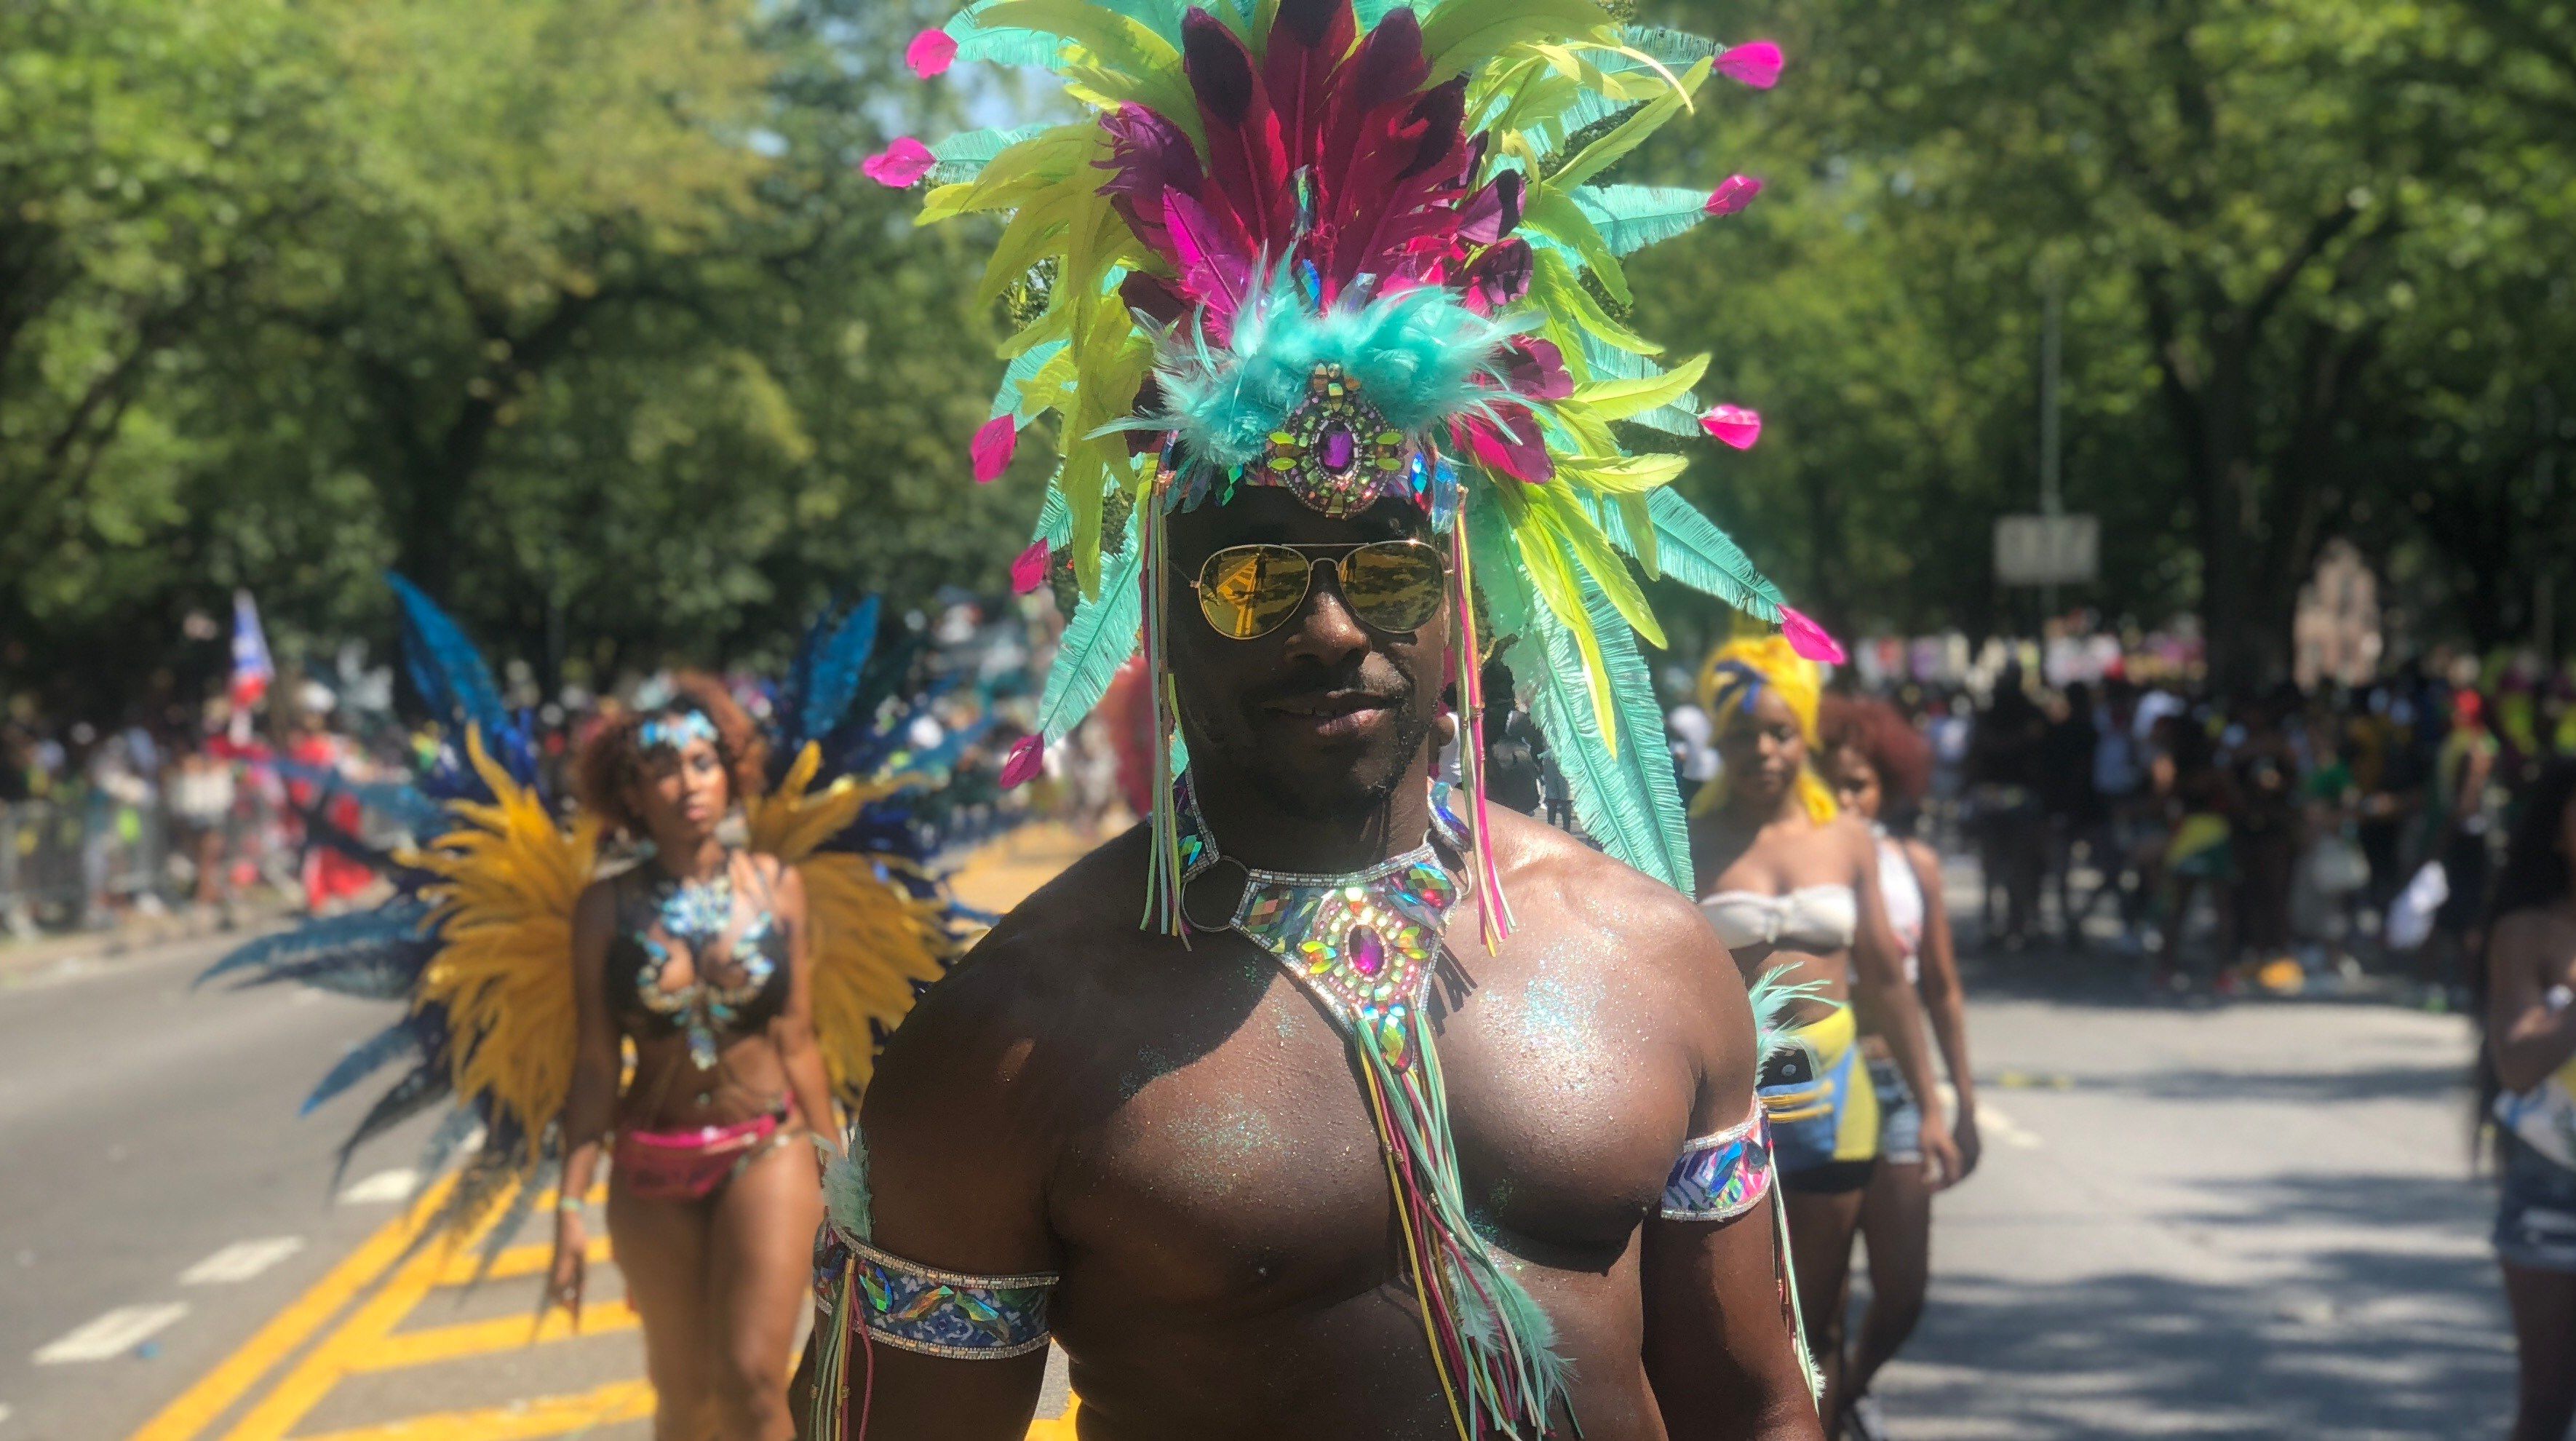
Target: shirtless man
<point>1177,1133</point>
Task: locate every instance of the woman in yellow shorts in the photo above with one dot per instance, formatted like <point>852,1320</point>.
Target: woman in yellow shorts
<point>1792,887</point>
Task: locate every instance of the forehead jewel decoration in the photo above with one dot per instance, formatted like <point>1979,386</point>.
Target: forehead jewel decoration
<point>674,732</point>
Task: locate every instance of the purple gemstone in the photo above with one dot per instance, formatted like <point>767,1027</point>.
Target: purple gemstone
<point>1368,950</point>
<point>1337,446</point>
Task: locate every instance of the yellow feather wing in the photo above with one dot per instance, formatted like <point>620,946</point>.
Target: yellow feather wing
<point>508,880</point>
<point>871,940</point>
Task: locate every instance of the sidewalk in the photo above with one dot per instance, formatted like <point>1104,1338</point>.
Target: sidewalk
<point>135,934</point>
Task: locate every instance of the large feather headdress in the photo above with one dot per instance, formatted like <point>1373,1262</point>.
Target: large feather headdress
<point>1360,249</point>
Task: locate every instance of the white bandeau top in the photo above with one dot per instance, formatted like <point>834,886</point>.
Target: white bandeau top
<point>1815,919</point>
<point>1902,892</point>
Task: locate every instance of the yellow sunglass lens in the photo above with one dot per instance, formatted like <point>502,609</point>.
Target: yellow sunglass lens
<point>1249,591</point>
<point>1392,587</point>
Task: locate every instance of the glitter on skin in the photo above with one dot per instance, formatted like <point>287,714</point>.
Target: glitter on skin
<point>1229,1131</point>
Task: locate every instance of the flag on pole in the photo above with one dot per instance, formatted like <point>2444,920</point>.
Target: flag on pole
<point>252,669</point>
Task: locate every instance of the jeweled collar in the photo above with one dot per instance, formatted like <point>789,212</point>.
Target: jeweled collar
<point>1365,943</point>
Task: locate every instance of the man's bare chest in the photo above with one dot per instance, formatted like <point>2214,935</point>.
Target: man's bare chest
<point>1250,1175</point>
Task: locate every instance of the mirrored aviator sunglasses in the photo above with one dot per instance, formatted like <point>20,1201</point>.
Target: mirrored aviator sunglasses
<point>1248,591</point>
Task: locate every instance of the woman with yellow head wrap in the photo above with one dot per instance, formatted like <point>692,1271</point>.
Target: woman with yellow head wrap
<point>1791,885</point>
<point>1729,684</point>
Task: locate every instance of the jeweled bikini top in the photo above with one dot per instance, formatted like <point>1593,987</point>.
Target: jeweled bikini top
<point>737,987</point>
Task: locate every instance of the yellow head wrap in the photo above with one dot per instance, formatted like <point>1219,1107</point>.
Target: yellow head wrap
<point>1741,669</point>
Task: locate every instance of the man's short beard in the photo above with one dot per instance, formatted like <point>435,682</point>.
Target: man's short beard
<point>1349,796</point>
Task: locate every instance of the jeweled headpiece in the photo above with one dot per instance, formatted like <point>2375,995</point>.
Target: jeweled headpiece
<point>1358,249</point>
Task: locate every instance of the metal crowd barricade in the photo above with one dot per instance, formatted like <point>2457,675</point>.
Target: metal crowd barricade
<point>79,860</point>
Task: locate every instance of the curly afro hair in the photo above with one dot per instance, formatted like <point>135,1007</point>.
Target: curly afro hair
<point>612,761</point>
<point>1893,748</point>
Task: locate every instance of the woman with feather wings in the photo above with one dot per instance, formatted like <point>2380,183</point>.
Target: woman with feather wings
<point>752,981</point>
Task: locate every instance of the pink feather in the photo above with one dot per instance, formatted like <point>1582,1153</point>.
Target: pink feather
<point>1756,63</point>
<point>1029,571</point>
<point>1026,763</point>
<point>1733,194</point>
<point>1733,425</point>
<point>899,164</point>
<point>1809,639</point>
<point>1212,271</point>
<point>993,447</point>
<point>930,53</point>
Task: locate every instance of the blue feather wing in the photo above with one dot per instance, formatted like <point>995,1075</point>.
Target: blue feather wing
<point>452,678</point>
<point>329,950</point>
<point>364,1059</point>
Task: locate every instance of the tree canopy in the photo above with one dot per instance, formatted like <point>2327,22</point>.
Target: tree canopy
<point>580,314</point>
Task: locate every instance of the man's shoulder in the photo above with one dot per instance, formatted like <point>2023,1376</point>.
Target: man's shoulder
<point>1580,889</point>
<point>1042,954</point>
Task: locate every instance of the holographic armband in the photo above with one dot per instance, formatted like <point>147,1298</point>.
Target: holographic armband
<point>937,1313</point>
<point>1723,1176</point>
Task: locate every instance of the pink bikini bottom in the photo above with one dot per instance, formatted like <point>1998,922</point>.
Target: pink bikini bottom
<point>693,1165</point>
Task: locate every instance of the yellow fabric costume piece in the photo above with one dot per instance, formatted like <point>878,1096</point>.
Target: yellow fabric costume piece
<point>1732,675</point>
<point>1818,1096</point>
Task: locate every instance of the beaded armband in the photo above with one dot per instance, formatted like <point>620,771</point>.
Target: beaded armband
<point>1723,1176</point>
<point>937,1313</point>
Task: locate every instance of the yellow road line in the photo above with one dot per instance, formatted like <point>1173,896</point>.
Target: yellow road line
<point>232,1378</point>
<point>478,1338</point>
<point>304,1387</point>
<point>551,1416</point>
<point>515,1262</point>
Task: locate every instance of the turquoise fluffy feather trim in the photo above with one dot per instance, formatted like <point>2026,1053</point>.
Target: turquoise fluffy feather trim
<point>1772,998</point>
<point>1419,356</point>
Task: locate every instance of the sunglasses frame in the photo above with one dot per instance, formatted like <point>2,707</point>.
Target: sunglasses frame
<point>1315,556</point>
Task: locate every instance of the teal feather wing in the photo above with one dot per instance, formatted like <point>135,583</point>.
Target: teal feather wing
<point>1103,633</point>
<point>1632,217</point>
<point>1691,549</point>
<point>1001,44</point>
<point>1629,802</point>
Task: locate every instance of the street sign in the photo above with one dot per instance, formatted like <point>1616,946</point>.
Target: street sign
<point>2047,549</point>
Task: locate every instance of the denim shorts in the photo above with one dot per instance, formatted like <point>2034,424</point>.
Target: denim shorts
<point>1900,1121</point>
<point>2536,1212</point>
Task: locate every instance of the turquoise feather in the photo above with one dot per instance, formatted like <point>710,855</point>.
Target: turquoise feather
<point>963,157</point>
<point>1632,217</point>
<point>1104,632</point>
<point>1003,45</point>
<point>1689,548</point>
<point>1055,518</point>
<point>1419,356</point>
<point>1015,380</point>
<point>1629,802</point>
<point>1772,997</point>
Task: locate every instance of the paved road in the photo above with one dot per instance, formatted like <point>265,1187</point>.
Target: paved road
<point>148,1129</point>
<point>2251,1221</point>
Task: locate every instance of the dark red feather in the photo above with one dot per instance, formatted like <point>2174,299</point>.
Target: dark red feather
<point>1247,161</point>
<point>1308,42</point>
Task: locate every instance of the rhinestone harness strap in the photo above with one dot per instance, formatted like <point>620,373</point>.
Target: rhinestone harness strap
<point>1365,945</point>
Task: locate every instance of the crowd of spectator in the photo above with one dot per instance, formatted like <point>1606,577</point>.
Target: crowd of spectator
<point>2238,841</point>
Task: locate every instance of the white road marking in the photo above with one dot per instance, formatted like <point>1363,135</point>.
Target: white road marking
<point>113,1334</point>
<point>394,1185</point>
<point>2002,1127</point>
<point>240,1261</point>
